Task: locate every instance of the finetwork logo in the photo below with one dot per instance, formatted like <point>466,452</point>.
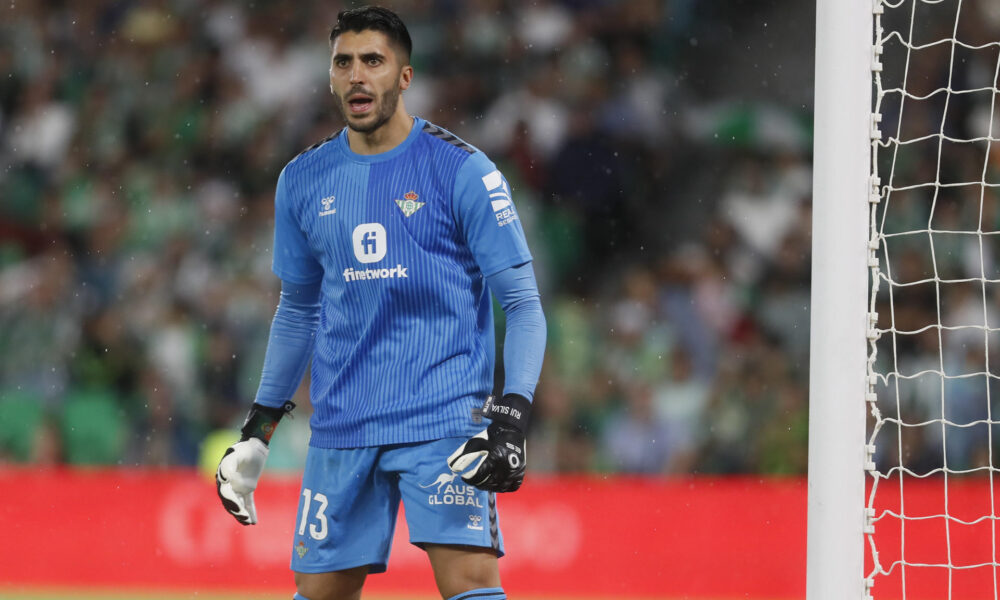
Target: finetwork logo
<point>369,242</point>
<point>369,247</point>
<point>351,274</point>
<point>503,207</point>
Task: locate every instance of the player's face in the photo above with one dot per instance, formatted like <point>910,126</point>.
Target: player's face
<point>366,78</point>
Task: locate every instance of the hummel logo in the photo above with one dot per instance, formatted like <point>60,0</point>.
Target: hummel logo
<point>409,205</point>
<point>326,206</point>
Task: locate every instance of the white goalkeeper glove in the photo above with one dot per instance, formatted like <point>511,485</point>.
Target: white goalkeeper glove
<point>241,465</point>
<point>236,479</point>
<point>494,459</point>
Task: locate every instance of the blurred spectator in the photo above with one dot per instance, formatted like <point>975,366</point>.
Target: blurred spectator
<point>636,439</point>
<point>681,402</point>
<point>139,148</point>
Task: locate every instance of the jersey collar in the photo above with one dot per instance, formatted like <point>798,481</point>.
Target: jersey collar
<point>345,146</point>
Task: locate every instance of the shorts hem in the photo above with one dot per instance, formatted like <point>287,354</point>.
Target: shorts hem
<point>373,568</point>
<point>475,544</point>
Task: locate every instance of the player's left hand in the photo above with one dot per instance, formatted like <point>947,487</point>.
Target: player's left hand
<point>236,478</point>
<point>243,462</point>
<point>494,459</point>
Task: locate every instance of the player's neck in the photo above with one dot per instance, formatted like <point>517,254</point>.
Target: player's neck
<point>391,134</point>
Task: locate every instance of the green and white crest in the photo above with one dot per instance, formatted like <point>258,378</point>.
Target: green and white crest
<point>409,204</point>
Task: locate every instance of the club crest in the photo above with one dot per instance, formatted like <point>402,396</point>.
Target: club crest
<point>409,204</point>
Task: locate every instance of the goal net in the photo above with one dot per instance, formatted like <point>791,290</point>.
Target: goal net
<point>934,301</point>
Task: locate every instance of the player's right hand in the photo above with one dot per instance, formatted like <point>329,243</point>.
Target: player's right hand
<point>236,478</point>
<point>494,459</point>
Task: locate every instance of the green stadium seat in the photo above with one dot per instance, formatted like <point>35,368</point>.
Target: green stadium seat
<point>93,428</point>
<point>21,414</point>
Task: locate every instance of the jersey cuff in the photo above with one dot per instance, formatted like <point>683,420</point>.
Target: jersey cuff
<point>515,261</point>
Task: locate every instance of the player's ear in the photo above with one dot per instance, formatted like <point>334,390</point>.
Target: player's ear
<point>405,77</point>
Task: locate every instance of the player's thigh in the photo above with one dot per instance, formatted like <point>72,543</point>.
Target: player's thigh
<point>338,585</point>
<point>459,569</point>
<point>440,507</point>
<point>347,512</point>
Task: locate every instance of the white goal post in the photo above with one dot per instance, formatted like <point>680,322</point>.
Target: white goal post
<point>838,306</point>
<point>905,323</point>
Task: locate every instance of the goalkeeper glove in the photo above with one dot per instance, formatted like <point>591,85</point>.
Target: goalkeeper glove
<point>493,460</point>
<point>243,462</point>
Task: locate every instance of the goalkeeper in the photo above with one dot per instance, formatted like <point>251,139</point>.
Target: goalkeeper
<point>389,238</point>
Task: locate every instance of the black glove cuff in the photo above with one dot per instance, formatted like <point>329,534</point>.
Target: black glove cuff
<point>512,410</point>
<point>262,420</point>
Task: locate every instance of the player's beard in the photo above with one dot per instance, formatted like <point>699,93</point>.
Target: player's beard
<point>385,106</point>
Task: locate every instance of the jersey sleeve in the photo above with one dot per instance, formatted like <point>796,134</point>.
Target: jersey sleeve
<point>292,260</point>
<point>486,216</point>
<point>524,341</point>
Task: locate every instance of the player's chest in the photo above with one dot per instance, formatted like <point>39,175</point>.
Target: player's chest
<point>358,220</point>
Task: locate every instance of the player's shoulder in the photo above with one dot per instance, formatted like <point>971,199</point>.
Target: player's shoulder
<point>321,151</point>
<point>443,140</point>
<point>474,162</point>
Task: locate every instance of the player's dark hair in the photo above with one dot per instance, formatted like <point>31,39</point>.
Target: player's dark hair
<point>375,18</point>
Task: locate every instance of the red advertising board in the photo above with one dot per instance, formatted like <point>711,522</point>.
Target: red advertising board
<point>568,536</point>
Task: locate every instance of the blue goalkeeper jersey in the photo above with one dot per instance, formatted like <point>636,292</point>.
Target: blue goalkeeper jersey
<point>402,242</point>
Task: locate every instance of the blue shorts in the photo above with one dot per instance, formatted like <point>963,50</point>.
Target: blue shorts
<point>350,499</point>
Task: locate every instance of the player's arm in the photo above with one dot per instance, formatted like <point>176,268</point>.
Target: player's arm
<point>494,459</point>
<point>289,350</point>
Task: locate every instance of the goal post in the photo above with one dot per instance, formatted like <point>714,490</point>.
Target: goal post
<point>838,311</point>
<point>904,493</point>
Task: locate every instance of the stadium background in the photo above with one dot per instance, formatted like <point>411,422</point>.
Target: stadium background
<point>659,152</point>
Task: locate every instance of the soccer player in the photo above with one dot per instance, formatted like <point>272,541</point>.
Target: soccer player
<point>389,238</point>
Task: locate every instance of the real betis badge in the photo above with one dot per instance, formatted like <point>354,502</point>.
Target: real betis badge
<point>409,204</point>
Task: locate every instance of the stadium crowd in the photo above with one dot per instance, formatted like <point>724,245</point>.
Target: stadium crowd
<point>141,141</point>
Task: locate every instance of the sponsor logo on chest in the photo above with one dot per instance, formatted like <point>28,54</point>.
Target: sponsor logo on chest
<point>371,242</point>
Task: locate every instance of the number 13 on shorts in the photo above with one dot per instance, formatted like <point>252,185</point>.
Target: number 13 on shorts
<point>313,514</point>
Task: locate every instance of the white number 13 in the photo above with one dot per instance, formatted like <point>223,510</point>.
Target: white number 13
<point>316,533</point>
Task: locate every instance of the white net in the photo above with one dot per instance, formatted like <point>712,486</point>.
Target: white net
<point>934,331</point>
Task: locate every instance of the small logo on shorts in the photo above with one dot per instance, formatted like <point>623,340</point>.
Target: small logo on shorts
<point>449,492</point>
<point>442,480</point>
<point>474,522</point>
<point>301,549</point>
